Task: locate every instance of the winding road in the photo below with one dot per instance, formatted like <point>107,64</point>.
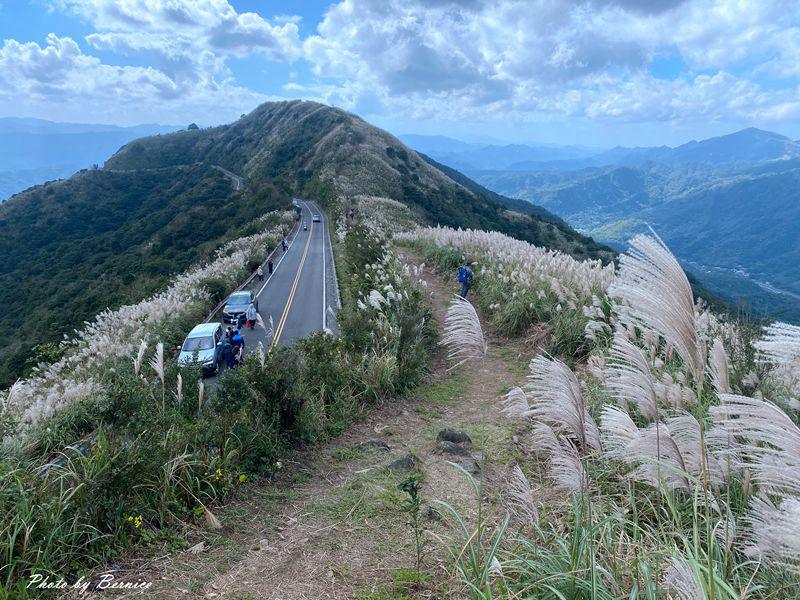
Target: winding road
<point>302,295</point>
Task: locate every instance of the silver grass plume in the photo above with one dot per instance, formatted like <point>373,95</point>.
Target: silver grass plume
<point>201,388</point>
<point>463,334</point>
<point>521,495</point>
<point>157,362</point>
<point>725,531</point>
<point>685,431</point>
<point>681,581</point>
<point>652,451</point>
<point>781,347</point>
<point>515,404</point>
<point>137,362</point>
<point>780,344</point>
<point>629,378</point>
<point>11,396</point>
<point>559,403</point>
<point>212,522</point>
<point>566,468</point>
<point>773,532</point>
<point>769,445</point>
<point>719,368</point>
<point>618,432</point>
<point>656,297</point>
<point>179,390</point>
<point>260,354</point>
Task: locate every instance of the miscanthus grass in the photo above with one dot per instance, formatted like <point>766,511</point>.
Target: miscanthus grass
<point>676,449</point>
<point>120,332</point>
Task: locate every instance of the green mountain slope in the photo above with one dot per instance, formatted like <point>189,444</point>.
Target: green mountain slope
<point>321,150</point>
<point>103,239</point>
<point>108,237</point>
<point>735,226</point>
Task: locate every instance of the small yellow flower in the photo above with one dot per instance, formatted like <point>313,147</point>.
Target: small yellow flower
<point>137,522</point>
<point>242,478</point>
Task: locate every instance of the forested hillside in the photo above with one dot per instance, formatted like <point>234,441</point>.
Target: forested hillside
<point>102,239</point>
<point>735,226</point>
<point>326,151</point>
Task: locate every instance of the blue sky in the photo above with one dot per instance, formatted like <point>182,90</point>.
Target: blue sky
<point>592,72</point>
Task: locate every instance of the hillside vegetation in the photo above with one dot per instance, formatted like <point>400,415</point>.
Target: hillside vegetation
<point>103,239</point>
<point>112,236</point>
<point>326,152</point>
<point>718,219</point>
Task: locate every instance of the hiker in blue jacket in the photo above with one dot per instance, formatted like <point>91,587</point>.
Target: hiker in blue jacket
<point>465,278</point>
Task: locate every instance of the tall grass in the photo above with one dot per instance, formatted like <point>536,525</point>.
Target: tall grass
<point>141,446</point>
<point>688,487</point>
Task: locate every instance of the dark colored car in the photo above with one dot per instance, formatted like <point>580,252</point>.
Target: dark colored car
<point>236,306</point>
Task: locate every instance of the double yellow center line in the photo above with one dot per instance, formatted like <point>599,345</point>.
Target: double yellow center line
<point>282,322</point>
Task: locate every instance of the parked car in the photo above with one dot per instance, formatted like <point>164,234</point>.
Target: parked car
<point>203,346</point>
<point>316,218</point>
<point>236,306</point>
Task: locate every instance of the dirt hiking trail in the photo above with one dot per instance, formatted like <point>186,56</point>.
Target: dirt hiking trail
<point>328,526</point>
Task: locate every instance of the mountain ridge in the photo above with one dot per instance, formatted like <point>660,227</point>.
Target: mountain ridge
<point>117,234</point>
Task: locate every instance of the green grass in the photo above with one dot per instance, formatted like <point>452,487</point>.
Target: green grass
<point>368,495</point>
<point>445,391</point>
<point>403,586</point>
<point>429,414</point>
<point>516,364</point>
<point>494,440</point>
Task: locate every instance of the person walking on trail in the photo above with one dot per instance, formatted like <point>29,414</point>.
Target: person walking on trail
<point>465,278</point>
<point>260,273</point>
<point>269,266</point>
<point>252,316</point>
<point>284,244</point>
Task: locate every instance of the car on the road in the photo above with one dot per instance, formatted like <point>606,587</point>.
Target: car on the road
<point>203,346</point>
<point>316,218</point>
<point>236,306</point>
<point>305,226</point>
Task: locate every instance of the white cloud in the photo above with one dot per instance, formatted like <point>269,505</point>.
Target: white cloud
<point>521,60</point>
<point>210,25</point>
<point>549,59</point>
<point>59,76</point>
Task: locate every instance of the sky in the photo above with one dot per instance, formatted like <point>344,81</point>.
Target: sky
<point>590,72</point>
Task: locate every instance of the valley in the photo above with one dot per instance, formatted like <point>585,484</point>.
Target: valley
<point>725,203</point>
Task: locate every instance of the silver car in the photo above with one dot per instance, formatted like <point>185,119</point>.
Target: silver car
<point>203,346</point>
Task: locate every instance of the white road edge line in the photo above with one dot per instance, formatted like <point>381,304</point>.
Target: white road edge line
<point>280,260</point>
<point>324,273</point>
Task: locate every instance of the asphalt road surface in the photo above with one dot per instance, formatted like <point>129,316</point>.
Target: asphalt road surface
<point>236,181</point>
<point>301,296</point>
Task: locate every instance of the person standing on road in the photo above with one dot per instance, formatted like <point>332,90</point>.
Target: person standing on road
<point>260,273</point>
<point>227,355</point>
<point>237,341</point>
<point>252,315</point>
<point>269,266</point>
<point>465,278</point>
<point>284,244</point>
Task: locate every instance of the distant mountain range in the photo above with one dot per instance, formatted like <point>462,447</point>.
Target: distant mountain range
<point>34,150</point>
<point>728,206</point>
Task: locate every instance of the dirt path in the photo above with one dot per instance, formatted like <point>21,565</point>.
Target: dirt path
<point>330,527</point>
